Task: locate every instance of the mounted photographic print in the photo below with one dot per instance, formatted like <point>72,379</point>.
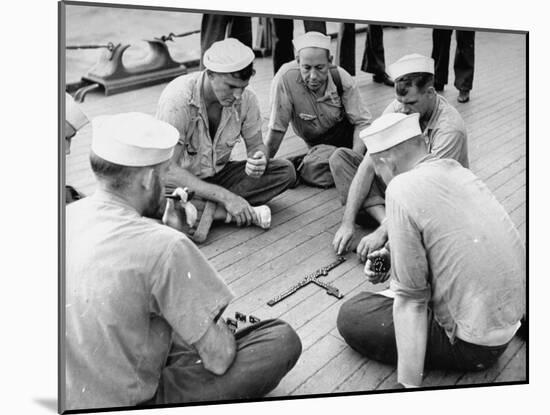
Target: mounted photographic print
<point>258,207</point>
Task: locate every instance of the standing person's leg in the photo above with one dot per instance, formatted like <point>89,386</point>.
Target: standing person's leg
<point>345,48</point>
<point>213,28</point>
<point>283,51</point>
<point>315,26</point>
<point>441,42</point>
<point>278,176</point>
<point>240,28</point>
<point>464,63</point>
<point>373,58</point>
<point>266,352</point>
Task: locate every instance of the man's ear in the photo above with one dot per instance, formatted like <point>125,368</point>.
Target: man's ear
<point>330,58</point>
<point>148,178</point>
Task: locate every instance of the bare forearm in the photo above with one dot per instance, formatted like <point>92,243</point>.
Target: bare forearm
<point>250,151</point>
<point>273,141</point>
<point>359,189</point>
<point>358,145</point>
<point>411,334</point>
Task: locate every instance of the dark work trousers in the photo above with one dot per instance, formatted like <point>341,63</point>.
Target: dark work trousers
<point>278,176</point>
<point>266,351</point>
<point>283,50</point>
<point>344,164</point>
<point>373,55</point>
<point>366,324</point>
<point>215,26</point>
<point>373,58</point>
<point>464,57</point>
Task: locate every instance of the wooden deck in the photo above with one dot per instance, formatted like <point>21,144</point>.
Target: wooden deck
<point>259,264</point>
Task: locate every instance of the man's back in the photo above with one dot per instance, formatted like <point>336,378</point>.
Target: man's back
<point>129,283</point>
<point>454,231</point>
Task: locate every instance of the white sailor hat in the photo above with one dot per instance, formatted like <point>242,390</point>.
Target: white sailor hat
<point>228,55</point>
<point>73,114</point>
<point>411,64</point>
<point>133,139</point>
<point>389,130</point>
<point>311,40</point>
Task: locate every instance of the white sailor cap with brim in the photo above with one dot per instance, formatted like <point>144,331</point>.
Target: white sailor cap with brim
<point>133,139</point>
<point>311,40</point>
<point>411,64</point>
<point>73,114</point>
<point>389,130</point>
<point>228,55</point>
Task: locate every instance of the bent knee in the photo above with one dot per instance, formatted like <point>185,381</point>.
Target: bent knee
<point>290,345</point>
<point>285,170</point>
<point>337,158</point>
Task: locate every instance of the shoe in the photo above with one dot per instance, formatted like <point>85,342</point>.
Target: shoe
<point>382,78</point>
<point>439,87</point>
<point>263,216</point>
<point>463,96</point>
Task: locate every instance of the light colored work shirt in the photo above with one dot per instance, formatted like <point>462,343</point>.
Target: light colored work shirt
<point>293,102</point>
<point>181,104</point>
<point>130,285</point>
<point>445,132</point>
<point>454,246</point>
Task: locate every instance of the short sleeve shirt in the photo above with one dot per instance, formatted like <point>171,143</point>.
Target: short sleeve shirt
<point>181,104</point>
<point>131,284</point>
<point>445,132</point>
<point>453,245</point>
<point>310,116</point>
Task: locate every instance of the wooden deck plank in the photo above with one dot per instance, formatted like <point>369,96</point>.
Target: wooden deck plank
<point>282,225</point>
<point>246,265</point>
<point>260,264</point>
<point>493,372</point>
<point>310,362</point>
<point>368,377</point>
<point>332,374</point>
<point>515,370</point>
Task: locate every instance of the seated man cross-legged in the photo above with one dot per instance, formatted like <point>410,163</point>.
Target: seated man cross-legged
<point>458,266</point>
<point>212,110</point>
<point>143,305</point>
<point>359,187</point>
<point>323,104</point>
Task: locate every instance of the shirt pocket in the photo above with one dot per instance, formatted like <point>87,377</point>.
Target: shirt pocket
<point>192,147</point>
<point>228,139</point>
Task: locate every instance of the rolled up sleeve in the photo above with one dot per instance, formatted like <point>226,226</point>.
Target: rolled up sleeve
<point>174,112</point>
<point>450,143</point>
<point>409,263</point>
<point>187,291</point>
<point>356,111</point>
<point>281,106</point>
<point>252,118</point>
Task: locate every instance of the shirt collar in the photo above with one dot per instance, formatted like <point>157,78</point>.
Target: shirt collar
<point>105,196</point>
<point>435,114</point>
<point>197,99</point>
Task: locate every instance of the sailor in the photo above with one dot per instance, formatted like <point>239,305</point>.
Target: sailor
<point>322,103</point>
<point>458,265</point>
<point>213,110</point>
<point>75,119</point>
<point>142,303</point>
<point>360,187</point>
